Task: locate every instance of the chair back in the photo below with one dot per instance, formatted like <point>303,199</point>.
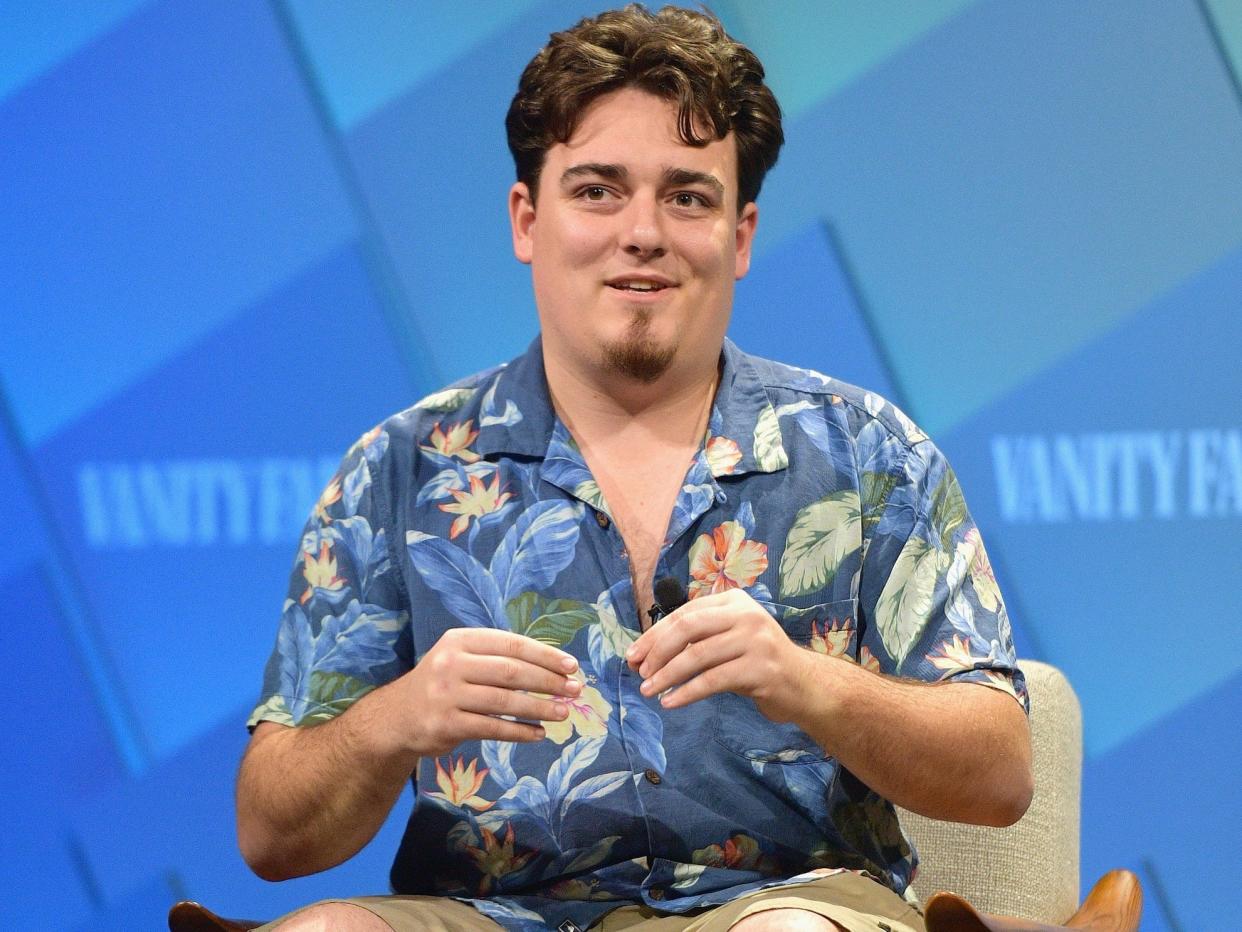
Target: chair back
<point>1029,869</point>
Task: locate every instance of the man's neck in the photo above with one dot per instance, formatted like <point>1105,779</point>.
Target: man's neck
<point>672,409</point>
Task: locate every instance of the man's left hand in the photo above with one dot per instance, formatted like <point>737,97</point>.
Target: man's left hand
<point>721,643</point>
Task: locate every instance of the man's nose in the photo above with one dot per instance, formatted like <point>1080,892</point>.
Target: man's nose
<point>643,232</point>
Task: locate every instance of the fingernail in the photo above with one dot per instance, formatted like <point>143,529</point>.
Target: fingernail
<point>630,652</point>
<point>569,664</point>
<point>573,686</point>
<point>561,711</point>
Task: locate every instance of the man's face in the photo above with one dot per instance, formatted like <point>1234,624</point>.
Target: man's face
<point>635,241</point>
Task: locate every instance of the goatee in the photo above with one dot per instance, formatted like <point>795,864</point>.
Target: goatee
<point>636,355</point>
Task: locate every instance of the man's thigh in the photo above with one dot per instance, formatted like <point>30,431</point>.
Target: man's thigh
<point>400,913</point>
<point>852,901</point>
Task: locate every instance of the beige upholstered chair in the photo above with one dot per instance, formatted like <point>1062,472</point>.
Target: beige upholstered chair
<point>1028,871</point>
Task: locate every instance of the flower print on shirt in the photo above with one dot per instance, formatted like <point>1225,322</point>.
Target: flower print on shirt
<point>460,784</point>
<point>475,502</point>
<point>588,716</point>
<point>320,572</point>
<point>452,443</point>
<point>724,560</point>
<point>723,455</point>
<point>496,859</point>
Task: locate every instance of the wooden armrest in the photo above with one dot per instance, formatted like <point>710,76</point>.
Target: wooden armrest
<point>188,916</point>
<point>1113,905</point>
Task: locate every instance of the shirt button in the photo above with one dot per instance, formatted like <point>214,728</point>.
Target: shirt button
<point>601,519</point>
<point>653,777</point>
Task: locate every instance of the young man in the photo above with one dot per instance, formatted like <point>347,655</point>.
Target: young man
<point>474,597</point>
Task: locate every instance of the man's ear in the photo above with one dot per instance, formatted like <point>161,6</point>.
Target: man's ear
<point>746,223</point>
<point>522,221</point>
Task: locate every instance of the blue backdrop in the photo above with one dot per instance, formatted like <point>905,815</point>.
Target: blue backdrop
<point>1022,222</point>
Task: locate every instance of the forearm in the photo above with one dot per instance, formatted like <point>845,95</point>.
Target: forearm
<point>955,751</point>
<point>310,797</point>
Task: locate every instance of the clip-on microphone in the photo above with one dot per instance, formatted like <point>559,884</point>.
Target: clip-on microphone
<point>670,595</point>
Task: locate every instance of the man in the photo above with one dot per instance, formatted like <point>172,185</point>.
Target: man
<point>474,597</point>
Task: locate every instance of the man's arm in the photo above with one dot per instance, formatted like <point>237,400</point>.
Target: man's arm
<point>946,750</point>
<point>310,797</point>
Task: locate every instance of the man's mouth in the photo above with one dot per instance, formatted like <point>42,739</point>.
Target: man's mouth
<point>641,286</point>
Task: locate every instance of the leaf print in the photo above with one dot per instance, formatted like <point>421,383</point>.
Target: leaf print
<point>356,482</point>
<point>642,727</point>
<point>467,590</point>
<point>687,875</point>
<point>498,755</point>
<point>824,533</point>
<point>333,693</point>
<point>530,794</point>
<point>746,518</point>
<point>594,788</point>
<point>538,545</point>
<point>609,640</point>
<point>769,451</point>
<point>948,509</point>
<point>593,856</point>
<point>904,605</point>
<point>361,638</point>
<point>590,492</point>
<point>447,401</point>
<point>876,488</point>
<point>559,628</point>
<point>575,758</point>
<point>795,407</point>
<point>488,416</point>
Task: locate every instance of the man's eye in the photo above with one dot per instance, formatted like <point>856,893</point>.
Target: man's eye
<point>595,193</point>
<point>687,199</point>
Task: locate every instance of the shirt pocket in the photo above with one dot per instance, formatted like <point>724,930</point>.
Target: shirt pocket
<point>739,726</point>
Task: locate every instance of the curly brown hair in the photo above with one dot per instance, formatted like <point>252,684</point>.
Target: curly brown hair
<point>681,55</point>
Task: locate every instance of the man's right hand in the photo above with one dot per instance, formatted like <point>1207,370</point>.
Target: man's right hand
<point>310,797</point>
<point>471,677</point>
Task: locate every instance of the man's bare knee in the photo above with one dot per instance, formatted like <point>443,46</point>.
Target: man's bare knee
<point>334,917</point>
<point>785,920</point>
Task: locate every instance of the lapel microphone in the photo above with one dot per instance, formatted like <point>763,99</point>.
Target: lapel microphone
<point>670,595</point>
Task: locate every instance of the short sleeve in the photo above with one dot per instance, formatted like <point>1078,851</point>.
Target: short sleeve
<point>928,595</point>
<point>344,629</point>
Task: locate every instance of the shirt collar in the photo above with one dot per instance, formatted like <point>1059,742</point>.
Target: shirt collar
<point>743,432</point>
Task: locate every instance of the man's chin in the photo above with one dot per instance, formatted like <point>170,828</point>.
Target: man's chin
<point>641,360</point>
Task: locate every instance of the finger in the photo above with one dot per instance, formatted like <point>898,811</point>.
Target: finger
<point>728,677</point>
<point>694,659</point>
<point>682,630</point>
<point>493,642</point>
<point>514,674</point>
<point>475,727</point>
<point>494,700</point>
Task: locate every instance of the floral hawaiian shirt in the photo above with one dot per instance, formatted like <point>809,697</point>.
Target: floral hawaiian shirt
<point>475,507</point>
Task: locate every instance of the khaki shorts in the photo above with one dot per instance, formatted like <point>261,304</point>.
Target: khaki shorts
<point>854,902</point>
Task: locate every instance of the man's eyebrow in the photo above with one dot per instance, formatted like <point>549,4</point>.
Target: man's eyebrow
<point>594,170</point>
<point>680,176</point>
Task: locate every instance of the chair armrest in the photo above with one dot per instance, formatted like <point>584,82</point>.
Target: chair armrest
<point>1113,905</point>
<point>188,916</point>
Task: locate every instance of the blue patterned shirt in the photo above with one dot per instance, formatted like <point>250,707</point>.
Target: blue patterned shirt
<point>475,507</point>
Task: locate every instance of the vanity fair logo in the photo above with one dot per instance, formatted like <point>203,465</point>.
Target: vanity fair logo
<point>199,503</point>
<point>1122,476</point>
